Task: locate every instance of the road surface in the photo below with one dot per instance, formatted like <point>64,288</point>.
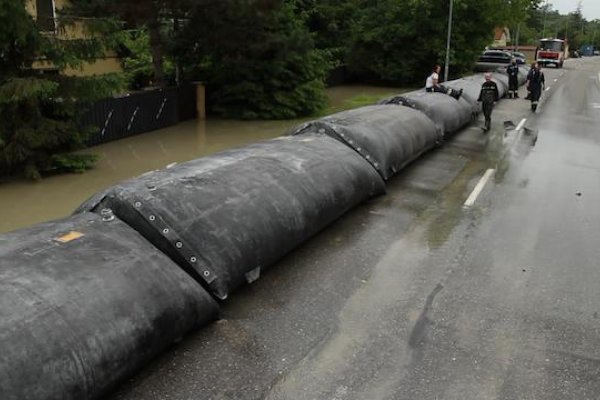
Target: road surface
<point>416,295</point>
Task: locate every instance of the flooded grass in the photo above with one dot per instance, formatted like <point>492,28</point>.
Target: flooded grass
<point>360,100</point>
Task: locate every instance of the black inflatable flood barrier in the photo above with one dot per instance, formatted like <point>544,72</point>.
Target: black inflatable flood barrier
<point>471,85</point>
<point>471,88</point>
<point>523,72</point>
<point>522,77</point>
<point>225,217</point>
<point>501,80</point>
<point>447,113</point>
<point>387,137</point>
<point>86,302</point>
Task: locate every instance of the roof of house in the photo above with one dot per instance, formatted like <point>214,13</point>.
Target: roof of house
<point>498,32</point>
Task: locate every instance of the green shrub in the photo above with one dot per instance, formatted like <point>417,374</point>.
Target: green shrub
<point>258,60</point>
<point>38,113</point>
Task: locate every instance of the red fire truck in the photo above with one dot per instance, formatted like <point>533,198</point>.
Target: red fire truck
<point>552,51</point>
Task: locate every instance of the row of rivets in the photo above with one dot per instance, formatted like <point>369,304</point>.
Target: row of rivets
<point>193,260</point>
<point>360,150</point>
<point>165,231</point>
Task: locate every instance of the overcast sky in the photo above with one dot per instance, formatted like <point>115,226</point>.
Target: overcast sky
<point>590,8</point>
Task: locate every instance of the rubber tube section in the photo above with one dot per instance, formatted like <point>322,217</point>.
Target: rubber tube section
<point>86,302</point>
<point>387,137</point>
<point>225,217</point>
<point>447,113</point>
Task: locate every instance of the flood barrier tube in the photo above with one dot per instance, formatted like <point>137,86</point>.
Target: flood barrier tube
<point>387,137</point>
<point>522,76</point>
<point>86,301</point>
<point>471,89</point>
<point>488,66</point>
<point>501,83</point>
<point>225,217</point>
<point>472,84</point>
<point>501,80</point>
<point>523,72</point>
<point>447,113</point>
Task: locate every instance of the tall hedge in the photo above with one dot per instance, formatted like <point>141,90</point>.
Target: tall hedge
<point>257,57</point>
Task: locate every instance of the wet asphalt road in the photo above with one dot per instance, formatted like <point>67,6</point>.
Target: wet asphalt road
<point>414,296</point>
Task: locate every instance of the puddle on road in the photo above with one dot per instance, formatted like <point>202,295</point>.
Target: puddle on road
<point>497,151</point>
<point>448,212</point>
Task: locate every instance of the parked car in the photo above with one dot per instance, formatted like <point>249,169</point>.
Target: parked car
<point>520,57</point>
<point>495,56</point>
<point>490,60</point>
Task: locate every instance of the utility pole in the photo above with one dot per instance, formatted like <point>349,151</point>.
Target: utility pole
<point>545,12</point>
<point>580,12</point>
<point>447,64</point>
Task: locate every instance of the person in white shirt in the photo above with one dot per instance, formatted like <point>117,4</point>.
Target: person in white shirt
<point>432,84</point>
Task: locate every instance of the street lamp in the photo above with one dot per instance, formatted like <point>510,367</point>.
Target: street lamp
<point>448,42</point>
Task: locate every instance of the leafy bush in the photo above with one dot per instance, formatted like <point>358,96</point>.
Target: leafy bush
<point>258,60</point>
<point>137,59</point>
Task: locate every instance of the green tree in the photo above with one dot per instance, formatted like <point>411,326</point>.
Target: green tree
<point>591,33</point>
<point>38,124</point>
<point>136,59</point>
<point>113,16</point>
<point>515,14</point>
<point>399,41</point>
<point>160,19</point>
<point>257,58</point>
<point>331,22</point>
<point>574,28</point>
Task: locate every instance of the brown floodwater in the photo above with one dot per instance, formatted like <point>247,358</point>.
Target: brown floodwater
<point>24,203</point>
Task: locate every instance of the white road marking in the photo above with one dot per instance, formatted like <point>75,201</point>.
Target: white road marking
<point>599,76</point>
<point>595,105</point>
<point>548,88</point>
<point>519,130</point>
<point>479,187</point>
<point>556,80</point>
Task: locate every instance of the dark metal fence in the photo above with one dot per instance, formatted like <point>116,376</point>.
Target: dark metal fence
<point>117,118</point>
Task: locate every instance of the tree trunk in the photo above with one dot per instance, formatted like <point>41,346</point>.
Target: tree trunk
<point>157,51</point>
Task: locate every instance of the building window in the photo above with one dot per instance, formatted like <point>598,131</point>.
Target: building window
<point>46,15</point>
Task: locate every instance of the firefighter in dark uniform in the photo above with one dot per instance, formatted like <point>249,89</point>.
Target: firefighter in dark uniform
<point>488,96</point>
<point>535,83</point>
<point>513,79</point>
